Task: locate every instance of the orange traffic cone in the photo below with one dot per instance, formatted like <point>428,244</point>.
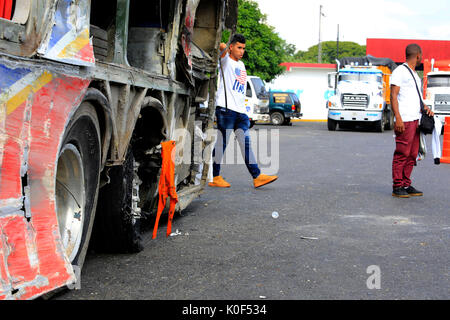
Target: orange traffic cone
<point>446,145</point>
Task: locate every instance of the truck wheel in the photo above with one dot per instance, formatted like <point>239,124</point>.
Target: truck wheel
<point>277,118</point>
<point>77,181</point>
<point>379,125</point>
<point>117,229</point>
<point>331,124</point>
<point>390,123</point>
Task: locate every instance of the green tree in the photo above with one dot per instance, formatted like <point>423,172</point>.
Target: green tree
<point>265,50</point>
<point>346,49</point>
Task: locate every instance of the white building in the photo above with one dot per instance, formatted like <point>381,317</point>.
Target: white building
<point>310,82</point>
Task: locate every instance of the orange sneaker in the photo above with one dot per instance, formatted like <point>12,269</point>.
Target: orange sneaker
<point>219,182</point>
<point>263,179</point>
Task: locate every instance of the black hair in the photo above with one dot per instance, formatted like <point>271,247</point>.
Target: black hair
<point>412,50</point>
<point>238,38</point>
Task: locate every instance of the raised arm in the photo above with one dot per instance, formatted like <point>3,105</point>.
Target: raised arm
<point>222,49</point>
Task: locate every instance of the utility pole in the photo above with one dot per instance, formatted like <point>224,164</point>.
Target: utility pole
<point>337,44</point>
<point>319,56</point>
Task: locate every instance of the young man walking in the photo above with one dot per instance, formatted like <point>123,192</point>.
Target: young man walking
<point>231,113</point>
<point>406,102</point>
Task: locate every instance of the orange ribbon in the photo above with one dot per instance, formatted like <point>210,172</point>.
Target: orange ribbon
<point>166,186</point>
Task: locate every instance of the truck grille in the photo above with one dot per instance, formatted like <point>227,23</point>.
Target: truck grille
<point>355,100</point>
<point>442,102</point>
<point>264,109</point>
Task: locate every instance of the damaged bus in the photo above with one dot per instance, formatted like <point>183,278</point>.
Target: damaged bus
<point>89,89</point>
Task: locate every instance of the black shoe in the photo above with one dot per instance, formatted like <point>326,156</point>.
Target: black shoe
<point>400,193</point>
<point>413,192</point>
<point>437,160</point>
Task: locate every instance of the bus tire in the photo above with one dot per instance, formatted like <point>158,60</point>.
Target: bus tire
<point>77,182</point>
<point>117,230</point>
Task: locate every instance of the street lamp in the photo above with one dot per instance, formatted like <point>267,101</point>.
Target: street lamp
<point>337,43</point>
<point>319,56</point>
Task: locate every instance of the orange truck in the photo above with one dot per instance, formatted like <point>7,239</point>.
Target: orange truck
<point>362,93</point>
<point>436,87</point>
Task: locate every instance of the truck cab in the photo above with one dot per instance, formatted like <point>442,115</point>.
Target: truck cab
<point>362,96</point>
<point>283,106</point>
<point>437,88</point>
<point>256,100</point>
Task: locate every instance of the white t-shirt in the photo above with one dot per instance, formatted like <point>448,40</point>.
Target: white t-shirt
<point>408,98</point>
<point>236,85</point>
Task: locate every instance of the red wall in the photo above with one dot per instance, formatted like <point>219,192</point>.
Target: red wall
<point>395,48</point>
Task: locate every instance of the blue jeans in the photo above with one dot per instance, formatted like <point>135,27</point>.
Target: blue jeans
<point>228,121</point>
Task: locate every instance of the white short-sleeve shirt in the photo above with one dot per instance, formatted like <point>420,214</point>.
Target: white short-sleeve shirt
<point>236,85</point>
<point>408,98</point>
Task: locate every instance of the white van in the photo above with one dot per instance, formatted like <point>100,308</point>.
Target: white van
<point>256,100</point>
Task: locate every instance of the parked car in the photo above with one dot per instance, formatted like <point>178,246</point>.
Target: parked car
<point>256,100</point>
<point>283,106</point>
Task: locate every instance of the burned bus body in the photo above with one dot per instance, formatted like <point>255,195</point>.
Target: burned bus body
<point>88,91</point>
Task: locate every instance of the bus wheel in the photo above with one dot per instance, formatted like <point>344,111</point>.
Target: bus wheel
<point>117,227</point>
<point>77,181</point>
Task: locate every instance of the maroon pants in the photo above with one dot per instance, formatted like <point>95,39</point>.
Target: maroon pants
<point>406,150</point>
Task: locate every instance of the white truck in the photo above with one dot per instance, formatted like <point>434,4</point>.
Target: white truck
<point>256,100</point>
<point>437,87</point>
<point>362,94</point>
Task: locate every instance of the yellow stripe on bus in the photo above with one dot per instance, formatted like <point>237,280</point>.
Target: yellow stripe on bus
<point>76,45</point>
<point>13,103</point>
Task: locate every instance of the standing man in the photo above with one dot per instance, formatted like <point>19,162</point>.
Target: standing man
<point>231,113</point>
<point>406,102</point>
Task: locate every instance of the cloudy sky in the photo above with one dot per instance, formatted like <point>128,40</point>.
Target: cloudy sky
<point>297,21</point>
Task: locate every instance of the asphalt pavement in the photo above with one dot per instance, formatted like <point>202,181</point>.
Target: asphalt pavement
<point>339,233</point>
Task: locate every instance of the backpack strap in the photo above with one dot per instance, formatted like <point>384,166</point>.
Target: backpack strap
<point>417,88</point>
<point>223,80</point>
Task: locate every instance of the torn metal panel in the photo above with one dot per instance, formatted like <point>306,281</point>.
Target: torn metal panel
<point>38,97</point>
<point>69,40</point>
<point>136,77</point>
<point>173,35</point>
<point>188,30</point>
<point>30,23</point>
<point>231,14</point>
<point>126,103</point>
<point>121,32</point>
<point>35,105</point>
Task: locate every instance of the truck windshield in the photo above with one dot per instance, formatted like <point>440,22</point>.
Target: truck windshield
<point>438,81</point>
<point>368,77</point>
<point>260,89</point>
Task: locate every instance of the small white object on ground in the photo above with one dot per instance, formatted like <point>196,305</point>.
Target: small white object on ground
<point>308,238</point>
<point>176,233</point>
